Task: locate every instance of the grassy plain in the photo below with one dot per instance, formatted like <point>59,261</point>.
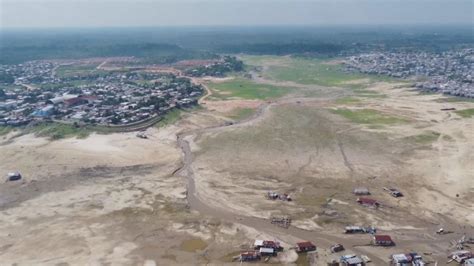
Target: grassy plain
<point>56,131</point>
<point>466,113</point>
<point>245,89</point>
<point>368,116</point>
<point>170,118</point>
<point>454,99</point>
<point>365,93</point>
<point>425,137</point>
<point>78,70</point>
<point>310,71</point>
<point>347,100</point>
<point>5,130</point>
<point>242,113</point>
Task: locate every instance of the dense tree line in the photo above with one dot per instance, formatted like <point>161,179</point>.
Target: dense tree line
<point>161,45</point>
<point>283,48</point>
<point>149,52</point>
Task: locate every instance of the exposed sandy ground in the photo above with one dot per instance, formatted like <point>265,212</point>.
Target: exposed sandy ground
<point>116,199</point>
<point>231,105</point>
<point>104,199</point>
<point>304,155</point>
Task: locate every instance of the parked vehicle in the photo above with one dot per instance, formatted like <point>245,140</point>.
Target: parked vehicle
<point>14,176</point>
<point>337,248</point>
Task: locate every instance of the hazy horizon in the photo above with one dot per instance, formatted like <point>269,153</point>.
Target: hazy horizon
<point>220,13</point>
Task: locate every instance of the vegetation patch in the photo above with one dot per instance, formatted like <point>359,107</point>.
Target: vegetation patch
<point>242,113</point>
<point>5,130</point>
<point>466,113</point>
<point>56,131</point>
<point>368,116</point>
<point>311,200</point>
<point>245,89</point>
<point>312,71</point>
<point>447,138</point>
<point>425,138</point>
<point>193,245</point>
<point>347,100</point>
<point>79,70</point>
<point>454,99</point>
<point>289,129</point>
<point>170,118</point>
<point>368,93</point>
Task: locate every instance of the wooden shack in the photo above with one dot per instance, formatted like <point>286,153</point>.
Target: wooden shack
<point>305,247</point>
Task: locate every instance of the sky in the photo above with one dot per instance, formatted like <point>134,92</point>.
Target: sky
<point>138,13</point>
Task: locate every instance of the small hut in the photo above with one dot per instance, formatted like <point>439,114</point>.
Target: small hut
<point>305,246</point>
<point>361,191</point>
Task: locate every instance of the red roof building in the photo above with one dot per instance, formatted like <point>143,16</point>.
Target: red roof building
<point>368,202</point>
<point>383,240</point>
<point>305,246</point>
<point>249,256</point>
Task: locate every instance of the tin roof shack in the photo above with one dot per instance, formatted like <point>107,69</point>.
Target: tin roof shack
<point>14,176</point>
<point>469,262</point>
<point>383,240</point>
<point>461,255</point>
<point>44,112</point>
<point>360,230</point>
<point>406,259</point>
<point>368,202</point>
<point>267,252</point>
<point>267,244</point>
<point>248,256</point>
<point>351,260</point>
<point>361,191</point>
<point>305,247</point>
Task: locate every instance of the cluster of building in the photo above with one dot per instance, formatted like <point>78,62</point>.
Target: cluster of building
<point>114,98</point>
<point>30,72</point>
<point>409,259</point>
<point>261,248</point>
<point>449,72</point>
<point>216,68</point>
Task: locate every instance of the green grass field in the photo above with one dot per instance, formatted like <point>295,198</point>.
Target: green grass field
<point>466,113</point>
<point>454,99</point>
<point>425,138</point>
<point>55,131</point>
<point>368,116</point>
<point>368,93</point>
<point>240,88</point>
<point>170,118</point>
<point>310,71</point>
<point>78,70</point>
<point>242,113</point>
<point>5,130</point>
<point>347,100</point>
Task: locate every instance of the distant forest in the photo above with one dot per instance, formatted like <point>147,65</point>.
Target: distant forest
<point>168,45</point>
